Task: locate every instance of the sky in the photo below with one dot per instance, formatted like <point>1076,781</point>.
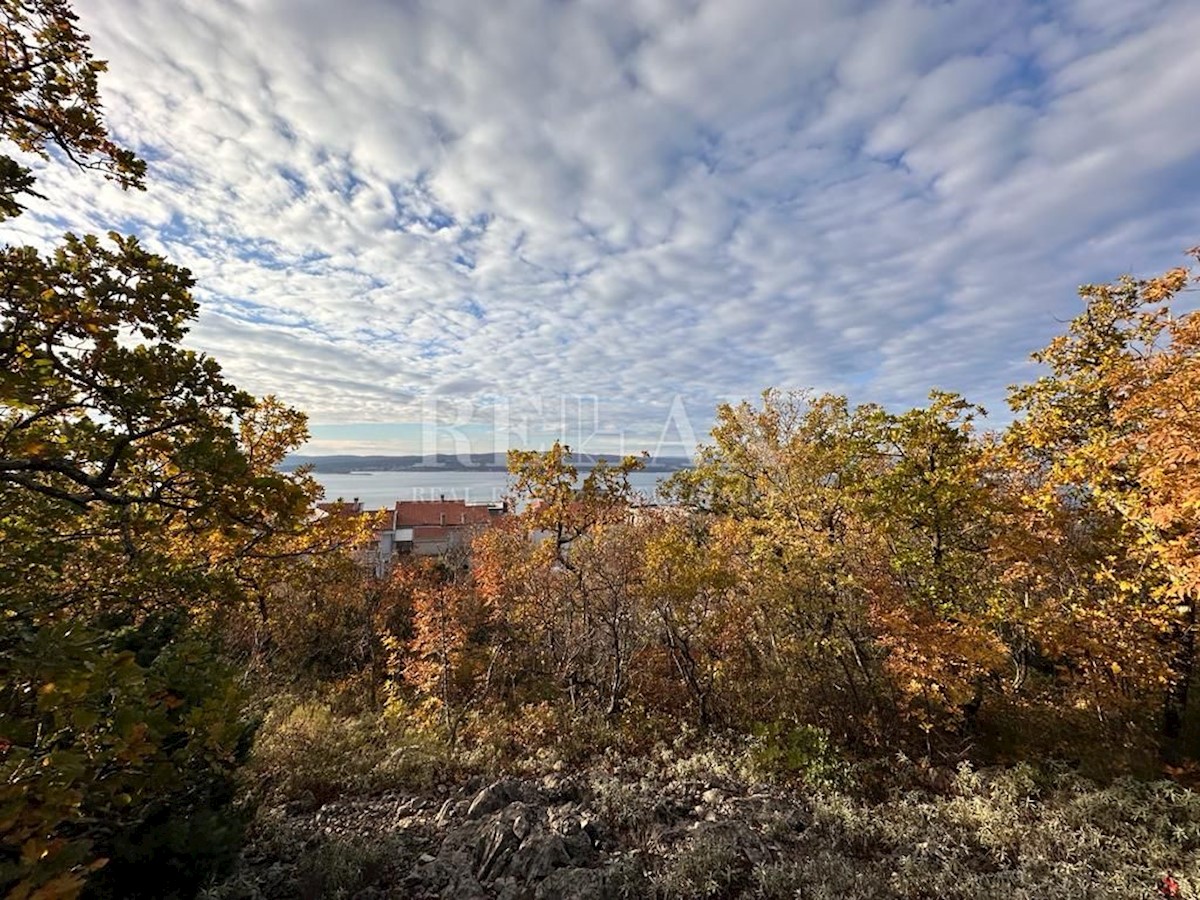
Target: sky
<point>471,226</point>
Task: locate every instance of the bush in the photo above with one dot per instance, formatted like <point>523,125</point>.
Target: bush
<point>342,869</point>
<point>782,752</point>
<point>1018,833</point>
<point>308,754</point>
<point>120,768</point>
<point>711,865</point>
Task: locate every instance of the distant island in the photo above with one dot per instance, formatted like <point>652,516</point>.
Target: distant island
<point>475,462</point>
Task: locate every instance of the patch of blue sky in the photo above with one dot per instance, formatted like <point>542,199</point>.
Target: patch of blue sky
<point>176,228</point>
<point>148,151</point>
<point>438,220</point>
<point>312,257</point>
<point>263,252</point>
<point>298,185</point>
<point>342,178</point>
<point>56,221</point>
<point>169,169</point>
<point>124,225</point>
<point>1026,82</point>
<point>370,281</point>
<point>378,337</point>
<point>415,208</point>
<point>858,380</point>
<point>257,314</point>
<point>432,348</point>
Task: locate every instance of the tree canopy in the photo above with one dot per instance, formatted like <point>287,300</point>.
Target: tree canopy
<point>139,504</point>
<point>50,100</point>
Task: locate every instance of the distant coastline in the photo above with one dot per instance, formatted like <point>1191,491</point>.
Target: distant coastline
<point>477,462</point>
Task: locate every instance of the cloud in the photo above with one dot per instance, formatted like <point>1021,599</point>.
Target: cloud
<point>390,205</point>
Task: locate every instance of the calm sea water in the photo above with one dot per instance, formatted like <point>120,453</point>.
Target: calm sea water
<point>379,489</point>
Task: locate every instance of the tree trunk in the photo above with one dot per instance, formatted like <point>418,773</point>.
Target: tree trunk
<point>1175,707</point>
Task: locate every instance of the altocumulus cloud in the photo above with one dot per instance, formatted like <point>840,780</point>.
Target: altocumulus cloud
<point>390,204</point>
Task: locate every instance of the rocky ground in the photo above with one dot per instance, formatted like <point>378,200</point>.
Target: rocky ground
<point>636,831</point>
<point>556,836</point>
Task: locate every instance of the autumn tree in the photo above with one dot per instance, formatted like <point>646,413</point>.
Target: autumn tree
<point>453,654</point>
<point>1105,440</point>
<point>1162,399</point>
<point>138,496</point>
<point>688,583</point>
<point>574,599</point>
<point>560,504</point>
<point>50,101</point>
<point>787,480</point>
<point>862,538</point>
<point>933,602</point>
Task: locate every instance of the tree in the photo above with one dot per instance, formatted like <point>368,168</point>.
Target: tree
<point>454,652</point>
<point>786,481</point>
<point>1163,400</point>
<point>49,100</point>
<point>1106,443</point>
<point>689,588</point>
<point>937,514</point>
<point>573,600</point>
<point>561,504</point>
<point>139,493</point>
<point>860,539</point>
<point>139,500</point>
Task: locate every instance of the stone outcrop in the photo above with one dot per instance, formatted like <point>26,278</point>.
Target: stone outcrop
<point>592,837</point>
<point>547,839</point>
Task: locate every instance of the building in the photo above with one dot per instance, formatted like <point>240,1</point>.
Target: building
<point>339,508</point>
<point>434,527</point>
<point>414,527</point>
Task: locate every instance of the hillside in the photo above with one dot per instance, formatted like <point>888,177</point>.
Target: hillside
<point>475,462</point>
<point>681,827</point>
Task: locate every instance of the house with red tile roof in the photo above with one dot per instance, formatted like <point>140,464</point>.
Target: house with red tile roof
<point>434,527</point>
<point>414,527</point>
<point>340,507</point>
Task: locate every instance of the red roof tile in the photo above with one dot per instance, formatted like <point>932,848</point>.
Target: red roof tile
<point>439,513</point>
<point>341,507</point>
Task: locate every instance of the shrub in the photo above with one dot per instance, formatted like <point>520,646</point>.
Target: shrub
<point>710,865</point>
<point>121,767</point>
<point>309,754</point>
<point>1016,833</point>
<point>779,751</point>
<point>342,869</point>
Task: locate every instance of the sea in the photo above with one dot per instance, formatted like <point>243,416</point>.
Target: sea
<point>377,490</point>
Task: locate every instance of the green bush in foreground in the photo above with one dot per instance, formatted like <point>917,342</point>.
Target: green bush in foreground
<point>1015,833</point>
<point>309,754</point>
